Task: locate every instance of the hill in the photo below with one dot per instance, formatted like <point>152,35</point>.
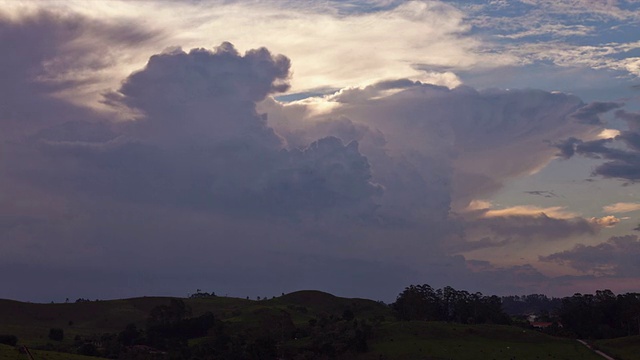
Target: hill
<point>622,348</point>
<point>299,325</point>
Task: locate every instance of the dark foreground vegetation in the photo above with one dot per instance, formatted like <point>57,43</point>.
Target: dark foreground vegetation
<point>423,323</point>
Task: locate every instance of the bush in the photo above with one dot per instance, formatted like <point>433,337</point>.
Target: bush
<point>56,334</point>
<point>10,340</point>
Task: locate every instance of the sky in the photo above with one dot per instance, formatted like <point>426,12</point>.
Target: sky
<point>253,148</point>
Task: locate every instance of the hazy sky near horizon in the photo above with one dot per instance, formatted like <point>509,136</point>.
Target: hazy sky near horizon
<point>356,147</point>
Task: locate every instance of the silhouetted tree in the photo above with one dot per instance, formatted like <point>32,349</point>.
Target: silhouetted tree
<point>421,302</point>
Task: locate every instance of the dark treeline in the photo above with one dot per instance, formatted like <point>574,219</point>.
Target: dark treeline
<point>603,315</point>
<point>530,304</point>
<point>422,302</point>
<point>598,316</point>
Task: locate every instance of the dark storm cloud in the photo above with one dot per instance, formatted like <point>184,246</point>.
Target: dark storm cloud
<point>45,52</point>
<point>590,113</point>
<point>201,143</point>
<point>326,174</point>
<point>567,147</point>
<point>623,162</point>
<point>617,256</point>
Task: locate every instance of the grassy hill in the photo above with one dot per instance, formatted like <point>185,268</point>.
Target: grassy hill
<point>31,322</point>
<point>437,340</point>
<point>11,353</point>
<point>627,348</point>
<point>316,319</point>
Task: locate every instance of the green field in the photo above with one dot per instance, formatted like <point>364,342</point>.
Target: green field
<point>627,348</point>
<point>390,339</point>
<point>424,340</point>
<point>11,353</point>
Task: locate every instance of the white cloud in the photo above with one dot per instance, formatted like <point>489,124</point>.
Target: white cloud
<point>598,56</point>
<point>621,207</point>
<point>558,212</point>
<point>602,9</point>
<point>555,30</point>
<point>330,49</point>
<point>608,133</point>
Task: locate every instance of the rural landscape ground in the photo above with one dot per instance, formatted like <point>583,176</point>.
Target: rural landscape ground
<point>299,325</point>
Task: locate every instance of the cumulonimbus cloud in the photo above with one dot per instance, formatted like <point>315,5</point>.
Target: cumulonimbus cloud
<point>203,168</point>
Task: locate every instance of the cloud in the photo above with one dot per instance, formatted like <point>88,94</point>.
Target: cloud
<point>622,162</point>
<point>199,142</point>
<point>541,226</point>
<point>529,210</point>
<point>196,168</point>
<point>590,113</point>
<point>54,54</point>
<point>432,34</point>
<point>470,149</point>
<point>521,226</point>
<point>621,207</point>
<point>595,8</point>
<point>618,256</point>
<point>569,34</point>
<point>608,133</point>
<point>543,193</point>
<point>632,119</point>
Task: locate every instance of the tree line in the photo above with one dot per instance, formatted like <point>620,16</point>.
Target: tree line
<point>593,316</point>
<point>422,302</point>
<point>602,315</point>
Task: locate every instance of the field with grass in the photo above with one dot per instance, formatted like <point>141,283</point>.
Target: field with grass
<point>627,348</point>
<point>293,313</point>
<point>435,340</point>
<point>11,353</point>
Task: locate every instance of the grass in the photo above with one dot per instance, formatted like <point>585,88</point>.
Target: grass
<point>31,322</point>
<point>433,340</point>
<point>11,353</point>
<point>626,348</point>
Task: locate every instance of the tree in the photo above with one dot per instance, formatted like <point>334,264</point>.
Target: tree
<point>202,294</point>
<point>421,302</point>
<point>348,315</point>
<point>129,335</point>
